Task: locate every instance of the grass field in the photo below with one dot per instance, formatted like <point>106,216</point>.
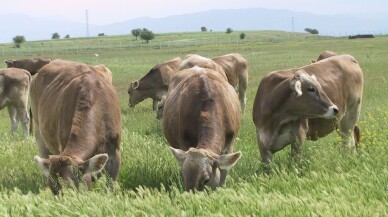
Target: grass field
<point>328,182</point>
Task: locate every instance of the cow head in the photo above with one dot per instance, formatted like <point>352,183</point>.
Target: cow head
<point>309,99</point>
<point>201,167</point>
<point>134,94</point>
<point>10,63</point>
<point>68,169</point>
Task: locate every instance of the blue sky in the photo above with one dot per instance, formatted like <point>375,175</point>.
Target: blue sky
<point>109,11</point>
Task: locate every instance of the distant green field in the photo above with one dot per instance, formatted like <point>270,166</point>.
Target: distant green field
<point>328,182</point>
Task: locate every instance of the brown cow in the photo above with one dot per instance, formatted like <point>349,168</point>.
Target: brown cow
<point>31,64</point>
<point>192,60</point>
<point>236,69</point>
<point>201,120</point>
<point>78,124</point>
<point>154,84</point>
<point>14,87</point>
<point>324,55</point>
<point>293,104</point>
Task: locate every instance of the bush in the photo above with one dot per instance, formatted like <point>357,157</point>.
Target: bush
<point>229,30</point>
<point>17,40</point>
<point>203,29</point>
<point>146,34</point>
<point>55,36</point>
<point>101,34</point>
<point>311,31</point>
<point>242,35</point>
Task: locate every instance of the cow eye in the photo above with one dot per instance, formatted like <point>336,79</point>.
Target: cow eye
<point>311,89</point>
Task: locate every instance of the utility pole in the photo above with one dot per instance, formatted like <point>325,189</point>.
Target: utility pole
<point>87,23</point>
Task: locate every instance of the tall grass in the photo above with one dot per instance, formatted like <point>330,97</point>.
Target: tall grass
<point>328,182</point>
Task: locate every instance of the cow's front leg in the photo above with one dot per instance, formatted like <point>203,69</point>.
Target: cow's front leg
<point>299,139</point>
<point>155,104</point>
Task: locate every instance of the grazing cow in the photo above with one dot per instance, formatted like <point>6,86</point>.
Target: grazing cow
<point>14,87</point>
<point>154,84</point>
<point>192,60</point>
<point>78,124</point>
<point>324,55</point>
<point>236,70</point>
<point>31,64</point>
<point>201,120</point>
<point>295,104</point>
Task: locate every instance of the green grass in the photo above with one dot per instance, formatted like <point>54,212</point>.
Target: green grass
<point>328,182</point>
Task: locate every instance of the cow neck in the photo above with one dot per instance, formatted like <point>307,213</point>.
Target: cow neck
<point>209,137</point>
<point>276,121</point>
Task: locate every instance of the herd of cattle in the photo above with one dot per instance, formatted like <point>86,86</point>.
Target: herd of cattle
<point>76,114</point>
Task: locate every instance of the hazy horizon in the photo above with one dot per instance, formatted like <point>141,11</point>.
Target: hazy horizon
<point>106,12</point>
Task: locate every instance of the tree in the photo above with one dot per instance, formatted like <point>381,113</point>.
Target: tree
<point>67,36</point>
<point>311,31</point>
<point>136,32</point>
<point>229,30</point>
<point>101,34</point>
<point>203,29</point>
<point>242,35</point>
<point>55,36</point>
<point>17,40</point>
<point>146,34</point>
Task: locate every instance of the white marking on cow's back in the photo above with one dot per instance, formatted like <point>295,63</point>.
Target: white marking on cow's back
<point>198,69</point>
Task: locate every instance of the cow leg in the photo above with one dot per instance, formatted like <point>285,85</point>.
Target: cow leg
<point>242,88</point>
<point>347,125</point>
<point>25,120</point>
<point>13,116</point>
<point>243,99</point>
<point>300,137</point>
<point>223,174</point>
<point>266,156</point>
<point>112,168</point>
<point>155,104</point>
<point>44,152</point>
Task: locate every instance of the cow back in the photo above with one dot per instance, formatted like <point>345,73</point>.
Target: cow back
<point>75,108</point>
<point>203,109</point>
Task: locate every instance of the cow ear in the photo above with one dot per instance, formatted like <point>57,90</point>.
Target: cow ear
<point>315,78</point>
<point>94,164</point>
<point>44,164</point>
<point>296,84</point>
<point>227,161</point>
<point>135,84</point>
<point>179,155</point>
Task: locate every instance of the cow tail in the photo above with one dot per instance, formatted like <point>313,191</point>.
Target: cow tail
<point>357,136</point>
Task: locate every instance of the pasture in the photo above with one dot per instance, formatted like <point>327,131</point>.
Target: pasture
<point>328,181</point>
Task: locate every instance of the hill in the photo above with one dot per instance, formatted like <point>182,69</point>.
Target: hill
<point>216,20</point>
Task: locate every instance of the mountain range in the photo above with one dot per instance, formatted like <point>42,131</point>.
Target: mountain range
<point>41,28</point>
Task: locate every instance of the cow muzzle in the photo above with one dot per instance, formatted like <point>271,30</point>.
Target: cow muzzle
<point>333,111</point>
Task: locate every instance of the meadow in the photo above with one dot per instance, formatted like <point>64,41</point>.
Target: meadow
<point>328,181</point>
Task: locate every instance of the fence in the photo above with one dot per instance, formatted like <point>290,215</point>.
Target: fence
<point>96,45</point>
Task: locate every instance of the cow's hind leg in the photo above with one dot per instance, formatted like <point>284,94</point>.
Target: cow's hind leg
<point>112,168</point>
<point>25,119</point>
<point>347,128</point>
<point>14,118</point>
